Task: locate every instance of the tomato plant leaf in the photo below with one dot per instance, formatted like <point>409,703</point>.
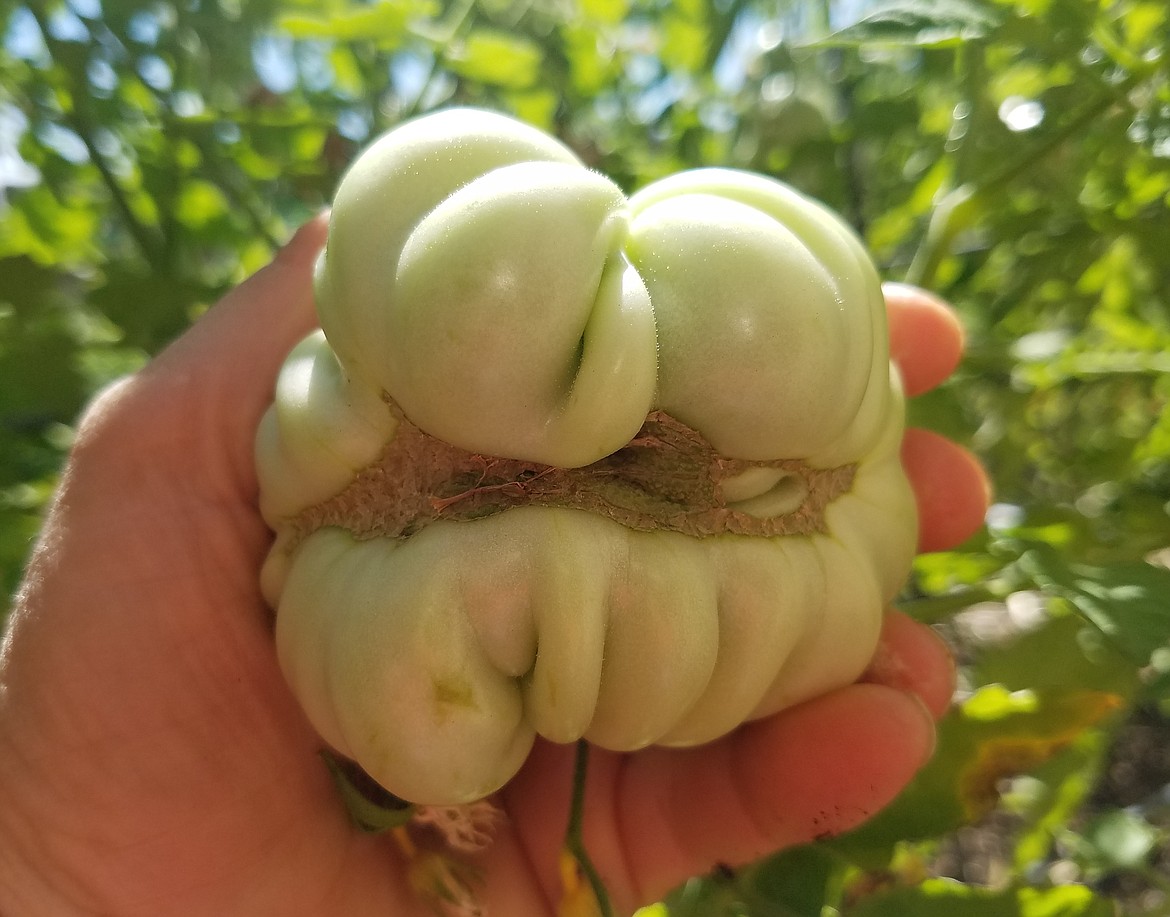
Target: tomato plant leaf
<point>939,896</point>
<point>1075,656</point>
<point>1120,839</point>
<point>921,23</point>
<point>388,22</point>
<point>496,58</point>
<point>797,880</point>
<point>995,735</point>
<point>1127,602</point>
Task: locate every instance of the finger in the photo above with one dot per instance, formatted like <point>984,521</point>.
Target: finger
<point>950,486</point>
<point>926,338</point>
<point>812,771</point>
<point>913,658</point>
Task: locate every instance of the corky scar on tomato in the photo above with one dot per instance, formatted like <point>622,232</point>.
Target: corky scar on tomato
<point>567,463</point>
<point>668,478</point>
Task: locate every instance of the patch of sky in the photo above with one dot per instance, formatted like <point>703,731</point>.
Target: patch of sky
<point>103,79</point>
<point>1020,114</point>
<point>417,84</point>
<point>107,144</point>
<point>187,103</point>
<point>227,132</point>
<point>353,125</point>
<point>409,73</point>
<point>844,13</point>
<point>144,28</point>
<point>23,39</point>
<point>155,72</point>
<point>66,25</point>
<point>272,56</point>
<point>754,34</point>
<point>642,69</point>
<point>313,62</point>
<point>1002,517</point>
<point>87,9</point>
<point>742,46</point>
<point>656,98</point>
<point>64,142</point>
<point>14,171</point>
<point>717,116</point>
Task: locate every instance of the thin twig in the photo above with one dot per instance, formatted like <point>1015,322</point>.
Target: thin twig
<point>151,244</point>
<point>574,835</point>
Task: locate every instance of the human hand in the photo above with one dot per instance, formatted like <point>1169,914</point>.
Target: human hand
<point>152,759</point>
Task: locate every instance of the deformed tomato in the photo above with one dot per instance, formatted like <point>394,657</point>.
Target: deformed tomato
<point>570,463</point>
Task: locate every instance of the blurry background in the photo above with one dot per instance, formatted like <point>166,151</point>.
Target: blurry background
<point>1013,156</point>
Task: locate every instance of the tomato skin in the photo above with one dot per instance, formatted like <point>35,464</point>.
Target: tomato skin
<point>483,284</point>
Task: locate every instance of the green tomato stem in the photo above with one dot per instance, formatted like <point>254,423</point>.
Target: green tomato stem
<point>370,807</point>
<point>574,836</point>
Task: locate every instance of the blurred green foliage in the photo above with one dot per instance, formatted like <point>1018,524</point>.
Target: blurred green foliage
<point>1013,155</point>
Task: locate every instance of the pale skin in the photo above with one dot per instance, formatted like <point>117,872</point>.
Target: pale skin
<point>153,761</point>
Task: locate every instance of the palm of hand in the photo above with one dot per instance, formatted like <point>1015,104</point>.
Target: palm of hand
<point>153,761</point>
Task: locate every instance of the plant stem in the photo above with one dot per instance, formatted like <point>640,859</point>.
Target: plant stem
<point>574,839</point>
<point>151,243</point>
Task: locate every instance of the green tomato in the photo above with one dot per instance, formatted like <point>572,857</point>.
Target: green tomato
<point>565,463</point>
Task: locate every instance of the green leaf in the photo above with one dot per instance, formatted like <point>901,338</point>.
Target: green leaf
<point>590,69</point>
<point>996,735</point>
<point>148,307</point>
<point>1121,839</point>
<point>1142,21</point>
<point>1049,798</point>
<point>537,107</point>
<point>940,573</point>
<point>386,23</point>
<point>797,880</point>
<point>198,203</point>
<point>921,23</point>
<point>610,12</point>
<point>1075,656</point>
<point>49,230</point>
<point>1129,603</point>
<point>39,347</point>
<point>942,896</point>
<point>18,531</point>
<point>496,58</point>
<point>684,44</point>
